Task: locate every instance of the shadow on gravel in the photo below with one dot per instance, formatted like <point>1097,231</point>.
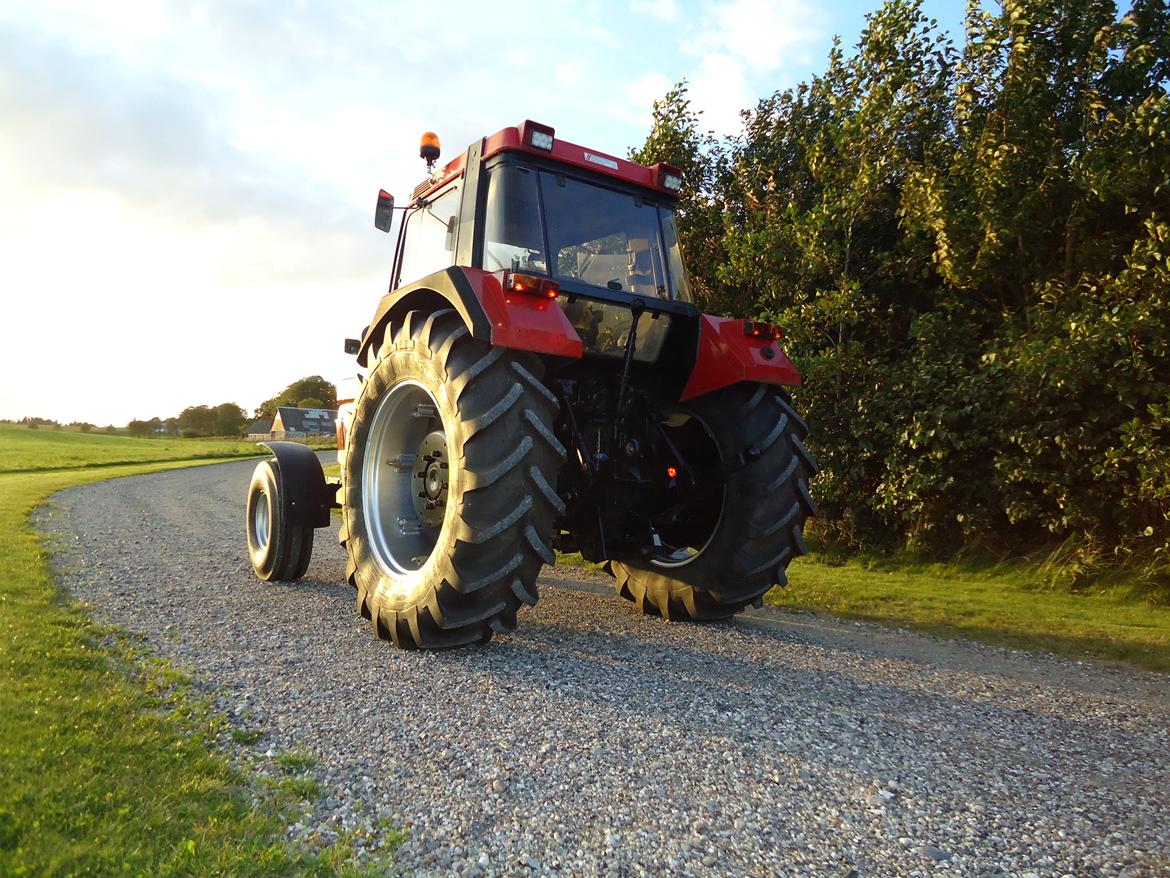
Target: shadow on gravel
<point>685,685</point>
<point>690,673</point>
<point>314,585</point>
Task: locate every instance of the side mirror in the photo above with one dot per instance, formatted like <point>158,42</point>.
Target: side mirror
<point>352,346</point>
<point>384,213</point>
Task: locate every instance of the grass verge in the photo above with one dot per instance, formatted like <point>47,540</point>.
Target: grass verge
<point>1006,603</point>
<point>574,559</point>
<point>108,763</point>
<point>24,450</point>
<point>1003,603</point>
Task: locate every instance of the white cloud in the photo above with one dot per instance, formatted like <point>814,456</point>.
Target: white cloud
<point>760,33</point>
<point>640,97</point>
<point>663,10</point>
<point>569,72</point>
<point>719,90</point>
<point>596,35</point>
<point>645,90</point>
<point>740,47</point>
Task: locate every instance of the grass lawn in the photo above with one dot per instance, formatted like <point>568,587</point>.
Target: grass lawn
<point>106,761</point>
<point>24,450</point>
<point>1003,603</point>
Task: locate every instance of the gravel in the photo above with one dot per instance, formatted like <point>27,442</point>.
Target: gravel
<point>594,741</point>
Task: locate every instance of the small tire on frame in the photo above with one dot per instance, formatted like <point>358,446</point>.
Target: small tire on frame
<point>277,548</point>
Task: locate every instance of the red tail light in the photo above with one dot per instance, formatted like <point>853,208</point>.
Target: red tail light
<point>765,331</point>
<point>531,285</point>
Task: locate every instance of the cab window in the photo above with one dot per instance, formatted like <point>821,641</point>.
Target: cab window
<point>603,237</point>
<point>513,237</point>
<point>429,242</point>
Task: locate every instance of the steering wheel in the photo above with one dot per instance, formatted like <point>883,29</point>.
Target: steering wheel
<point>618,333</point>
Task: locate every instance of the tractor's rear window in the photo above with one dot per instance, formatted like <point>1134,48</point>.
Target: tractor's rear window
<point>603,237</point>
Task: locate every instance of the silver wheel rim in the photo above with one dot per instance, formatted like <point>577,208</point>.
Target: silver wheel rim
<point>261,520</point>
<point>406,476</point>
<point>680,556</point>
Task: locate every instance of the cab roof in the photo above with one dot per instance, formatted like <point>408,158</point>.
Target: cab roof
<point>519,138</point>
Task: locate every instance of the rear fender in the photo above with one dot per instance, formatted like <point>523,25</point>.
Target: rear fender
<point>727,356</point>
<point>301,481</point>
<point>520,322</point>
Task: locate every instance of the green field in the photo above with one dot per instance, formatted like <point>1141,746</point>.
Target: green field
<point>1005,603</point>
<point>25,450</point>
<point>108,764</point>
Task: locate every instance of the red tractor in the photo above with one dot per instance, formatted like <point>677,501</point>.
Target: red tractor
<point>538,379</point>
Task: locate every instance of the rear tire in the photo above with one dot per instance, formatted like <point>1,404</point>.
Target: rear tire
<point>763,509</point>
<point>449,482</point>
<point>277,548</point>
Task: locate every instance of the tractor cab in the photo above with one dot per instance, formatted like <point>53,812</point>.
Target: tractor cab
<point>597,229</point>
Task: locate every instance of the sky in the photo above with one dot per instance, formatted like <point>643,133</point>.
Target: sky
<point>187,189</point>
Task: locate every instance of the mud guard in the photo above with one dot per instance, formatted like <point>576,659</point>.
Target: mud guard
<point>727,355</point>
<point>304,493</point>
<point>520,322</point>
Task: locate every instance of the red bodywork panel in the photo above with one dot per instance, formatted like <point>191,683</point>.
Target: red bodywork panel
<point>525,322</point>
<point>727,356</point>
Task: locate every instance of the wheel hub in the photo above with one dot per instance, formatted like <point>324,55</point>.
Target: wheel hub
<point>406,474</point>
<point>431,479</point>
<point>260,522</point>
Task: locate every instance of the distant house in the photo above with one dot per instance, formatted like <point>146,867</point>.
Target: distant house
<point>261,428</point>
<point>294,423</point>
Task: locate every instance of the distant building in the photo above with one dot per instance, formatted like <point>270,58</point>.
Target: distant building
<point>259,429</point>
<point>294,423</point>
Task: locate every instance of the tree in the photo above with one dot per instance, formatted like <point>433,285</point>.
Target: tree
<point>138,428</point>
<point>968,252</point>
<point>815,242</point>
<point>229,419</point>
<point>676,138</point>
<point>311,403</point>
<point>313,387</point>
<point>36,423</point>
<point>197,420</point>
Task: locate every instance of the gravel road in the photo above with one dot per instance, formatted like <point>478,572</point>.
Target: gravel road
<point>594,741</point>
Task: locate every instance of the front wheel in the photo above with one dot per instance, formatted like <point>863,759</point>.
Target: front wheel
<point>727,549</point>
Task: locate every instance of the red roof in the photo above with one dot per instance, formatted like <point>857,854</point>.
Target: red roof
<point>512,138</point>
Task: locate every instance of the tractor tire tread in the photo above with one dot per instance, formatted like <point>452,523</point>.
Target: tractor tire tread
<point>502,528</point>
<point>759,534</point>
